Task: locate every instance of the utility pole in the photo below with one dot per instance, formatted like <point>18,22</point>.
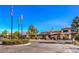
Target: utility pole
<point>11,14</point>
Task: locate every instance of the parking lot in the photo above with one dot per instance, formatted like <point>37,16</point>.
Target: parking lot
<point>38,46</point>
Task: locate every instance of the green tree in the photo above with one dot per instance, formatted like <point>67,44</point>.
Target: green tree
<point>75,27</point>
<point>32,32</point>
<point>75,24</point>
<point>4,33</point>
<point>16,35</point>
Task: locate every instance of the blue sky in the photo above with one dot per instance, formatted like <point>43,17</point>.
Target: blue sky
<point>44,17</point>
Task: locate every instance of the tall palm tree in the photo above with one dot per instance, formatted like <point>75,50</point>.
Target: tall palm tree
<point>11,14</point>
<point>21,24</point>
<point>18,27</point>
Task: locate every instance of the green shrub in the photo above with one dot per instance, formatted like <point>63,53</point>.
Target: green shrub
<point>14,42</point>
<point>76,43</point>
<point>68,42</point>
<point>77,37</point>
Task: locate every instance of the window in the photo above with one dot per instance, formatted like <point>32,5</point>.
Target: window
<point>65,31</point>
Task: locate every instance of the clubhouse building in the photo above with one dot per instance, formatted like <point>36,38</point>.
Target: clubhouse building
<point>64,33</point>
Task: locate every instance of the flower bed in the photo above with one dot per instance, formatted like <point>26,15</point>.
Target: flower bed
<point>14,42</point>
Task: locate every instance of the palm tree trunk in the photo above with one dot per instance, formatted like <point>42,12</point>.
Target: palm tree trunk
<point>22,29</point>
<point>18,29</point>
<point>11,26</point>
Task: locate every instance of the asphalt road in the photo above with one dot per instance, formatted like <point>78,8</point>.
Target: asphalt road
<point>37,47</point>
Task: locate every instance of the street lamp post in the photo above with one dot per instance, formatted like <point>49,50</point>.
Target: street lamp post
<point>11,14</point>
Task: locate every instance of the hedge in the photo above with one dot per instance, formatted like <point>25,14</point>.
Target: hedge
<point>14,42</point>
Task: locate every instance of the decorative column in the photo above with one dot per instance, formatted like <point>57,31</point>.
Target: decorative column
<point>61,34</point>
<point>69,31</point>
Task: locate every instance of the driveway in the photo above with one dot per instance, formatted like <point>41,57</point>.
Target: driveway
<point>37,47</point>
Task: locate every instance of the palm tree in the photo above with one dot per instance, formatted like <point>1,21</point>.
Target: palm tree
<point>11,14</point>
<point>20,25</point>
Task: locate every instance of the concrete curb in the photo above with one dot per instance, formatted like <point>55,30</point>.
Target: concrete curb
<point>23,44</point>
<point>18,45</point>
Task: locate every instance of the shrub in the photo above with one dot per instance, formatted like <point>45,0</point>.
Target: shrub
<point>14,42</point>
<point>68,42</point>
<point>76,43</point>
<point>77,37</point>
